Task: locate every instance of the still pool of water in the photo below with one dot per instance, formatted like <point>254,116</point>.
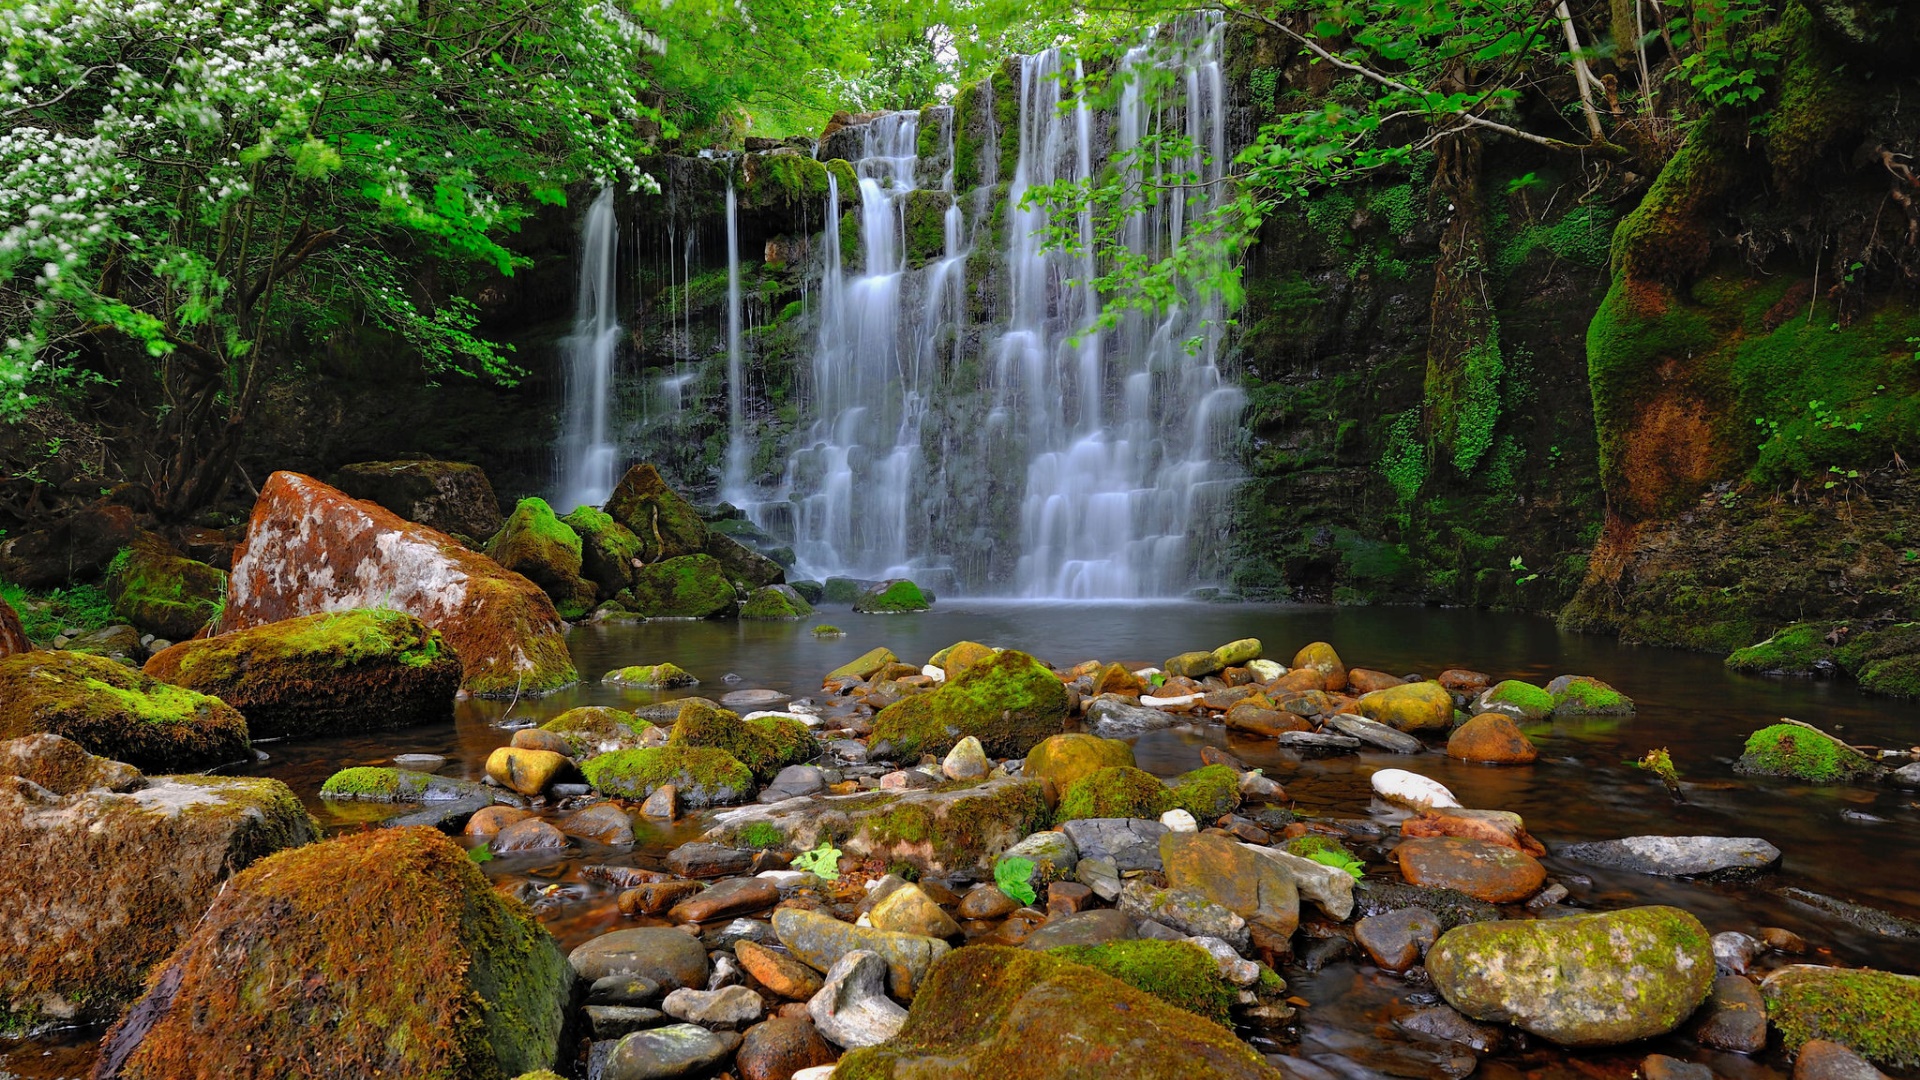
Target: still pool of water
<point>1852,842</point>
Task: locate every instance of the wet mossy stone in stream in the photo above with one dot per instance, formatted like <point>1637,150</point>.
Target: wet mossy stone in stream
<point>1117,791</point>
<point>1581,980</point>
<point>1207,792</point>
<point>958,825</point>
<point>108,871</point>
<point>703,775</point>
<point>765,744</point>
<point>1793,750</point>
<point>164,594</point>
<point>1179,973</point>
<point>546,551</point>
<point>683,587</point>
<point>597,729</point>
<point>1886,660</point>
<point>893,597</point>
<point>1800,649</point>
<point>1419,706</point>
<point>1874,1013</point>
<point>380,783</point>
<point>607,548</point>
<point>664,676</point>
<point>1010,703</point>
<point>1068,757</point>
<point>668,526</point>
<point>1018,1015</point>
<point>1515,700</point>
<point>118,712</point>
<point>743,564</point>
<point>384,953</point>
<point>335,672</point>
<point>1583,695</point>
<point>842,590</point>
<point>775,602</point>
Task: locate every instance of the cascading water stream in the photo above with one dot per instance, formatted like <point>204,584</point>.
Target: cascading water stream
<point>588,454</point>
<point>733,481</point>
<point>991,441</point>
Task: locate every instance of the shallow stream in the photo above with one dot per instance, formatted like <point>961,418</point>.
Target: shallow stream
<point>1856,843</point>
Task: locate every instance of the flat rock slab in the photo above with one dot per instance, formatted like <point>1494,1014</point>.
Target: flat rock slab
<point>1127,843</point>
<point>1489,872</point>
<point>1680,856</point>
<point>1375,733</point>
<point>754,699</point>
<point>1318,742</point>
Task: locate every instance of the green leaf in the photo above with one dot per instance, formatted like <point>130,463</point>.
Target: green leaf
<point>823,862</point>
<point>1015,877</point>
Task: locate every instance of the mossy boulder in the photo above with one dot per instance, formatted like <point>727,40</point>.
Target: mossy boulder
<point>331,673</point>
<point>1885,660</point>
<point>1067,757</point>
<point>743,564</point>
<point>1010,703</point>
<point>1114,792</point>
<point>1019,1015</point>
<point>842,590</point>
<point>893,597</point>
<point>775,602</point>
<point>117,712</point>
<point>1874,1013</point>
<point>1582,980</point>
<point>1515,699</point>
<point>683,587</point>
<point>164,594</point>
<point>546,551</point>
<point>952,826</point>
<point>1207,792</point>
<point>103,882</point>
<point>608,549</point>
<point>1419,706</point>
<point>1236,876</point>
<point>310,548</point>
<point>1799,649</point>
<point>384,953</point>
<point>1237,653</point>
<point>668,526</point>
<point>703,776</point>
<point>662,676</point>
<point>1180,973</point>
<point>451,496</point>
<point>864,666</point>
<point>764,744</point>
<point>1583,695</point>
<point>596,729</point>
<point>380,783</point>
<point>1800,752</point>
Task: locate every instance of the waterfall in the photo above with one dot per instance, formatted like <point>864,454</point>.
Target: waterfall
<point>588,454</point>
<point>733,481</point>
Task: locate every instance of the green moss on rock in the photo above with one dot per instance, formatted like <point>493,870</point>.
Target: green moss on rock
<point>668,526</point>
<point>1018,1015</point>
<point>1179,973</point>
<point>1065,758</point>
<point>117,712</point>
<point>1115,792</point>
<point>1010,703</point>
<point>953,826</point>
<point>276,979</point>
<point>546,551</point>
<point>1802,753</point>
<point>607,548</point>
<point>1800,649</point>
<point>664,676</point>
<point>1874,1013</point>
<point>894,597</point>
<point>164,594</point>
<point>1516,699</point>
<point>683,587</point>
<point>1207,792</point>
<point>764,745</point>
<point>596,729</point>
<point>332,673</point>
<point>776,602</point>
<point>1582,695</point>
<point>704,776</point>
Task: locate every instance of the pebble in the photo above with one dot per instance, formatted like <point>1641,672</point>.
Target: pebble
<point>778,972</point>
<point>1101,876</point>
<point>699,860</point>
<point>1734,1017</point>
<point>1179,821</point>
<point>852,1009</point>
<point>987,902</point>
<point>1662,1067</point>
<point>664,1053</point>
<point>736,896</point>
<point>622,990</point>
<point>966,761</point>
<point>528,834</point>
<point>663,804</point>
<point>1396,940</point>
<point>728,1007</point>
<point>1734,952</point>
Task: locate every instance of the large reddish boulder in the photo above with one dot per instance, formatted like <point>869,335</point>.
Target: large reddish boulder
<point>13,639</point>
<point>310,548</point>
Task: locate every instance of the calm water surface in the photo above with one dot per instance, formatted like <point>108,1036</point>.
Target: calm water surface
<point>1855,843</point>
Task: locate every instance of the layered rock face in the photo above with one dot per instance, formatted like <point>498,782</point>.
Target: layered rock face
<point>310,548</point>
